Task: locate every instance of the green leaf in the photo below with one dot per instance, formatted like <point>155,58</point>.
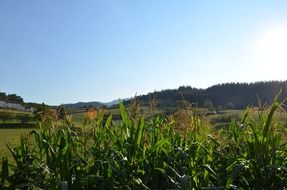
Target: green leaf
<point>4,170</point>
<point>140,132</point>
<point>125,116</point>
<point>245,115</point>
<point>109,121</point>
<point>235,173</point>
<point>160,170</point>
<point>212,173</point>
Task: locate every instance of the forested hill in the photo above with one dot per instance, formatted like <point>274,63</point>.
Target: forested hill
<point>229,95</point>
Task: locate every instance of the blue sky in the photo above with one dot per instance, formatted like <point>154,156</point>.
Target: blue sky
<point>69,51</point>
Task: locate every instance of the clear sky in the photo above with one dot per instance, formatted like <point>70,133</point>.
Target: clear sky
<point>62,51</point>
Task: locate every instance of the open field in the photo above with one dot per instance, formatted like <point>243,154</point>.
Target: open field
<point>10,137</point>
<point>15,111</point>
<point>217,117</point>
<point>14,118</point>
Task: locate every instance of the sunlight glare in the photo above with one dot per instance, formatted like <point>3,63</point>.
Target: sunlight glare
<point>271,54</point>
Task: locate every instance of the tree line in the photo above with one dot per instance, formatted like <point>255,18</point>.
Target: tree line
<point>12,98</point>
<point>19,117</point>
<point>227,95</point>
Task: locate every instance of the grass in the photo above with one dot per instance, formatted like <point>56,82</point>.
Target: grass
<point>15,111</point>
<point>10,137</point>
<point>15,116</point>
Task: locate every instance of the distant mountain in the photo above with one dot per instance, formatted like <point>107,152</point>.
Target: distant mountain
<point>95,104</point>
<point>84,105</point>
<point>115,102</point>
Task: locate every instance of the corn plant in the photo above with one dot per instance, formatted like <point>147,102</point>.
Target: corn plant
<point>136,153</point>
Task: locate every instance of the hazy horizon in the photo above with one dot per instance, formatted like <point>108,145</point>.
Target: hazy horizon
<point>69,51</point>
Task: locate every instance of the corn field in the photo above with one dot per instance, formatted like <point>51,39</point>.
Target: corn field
<point>136,153</point>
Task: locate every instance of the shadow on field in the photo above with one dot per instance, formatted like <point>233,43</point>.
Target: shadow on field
<point>17,125</point>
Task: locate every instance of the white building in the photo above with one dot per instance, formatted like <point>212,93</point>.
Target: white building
<point>15,106</point>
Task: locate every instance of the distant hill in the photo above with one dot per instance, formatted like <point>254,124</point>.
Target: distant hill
<point>115,102</point>
<point>11,98</point>
<point>228,95</point>
<point>83,105</point>
<point>93,104</point>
